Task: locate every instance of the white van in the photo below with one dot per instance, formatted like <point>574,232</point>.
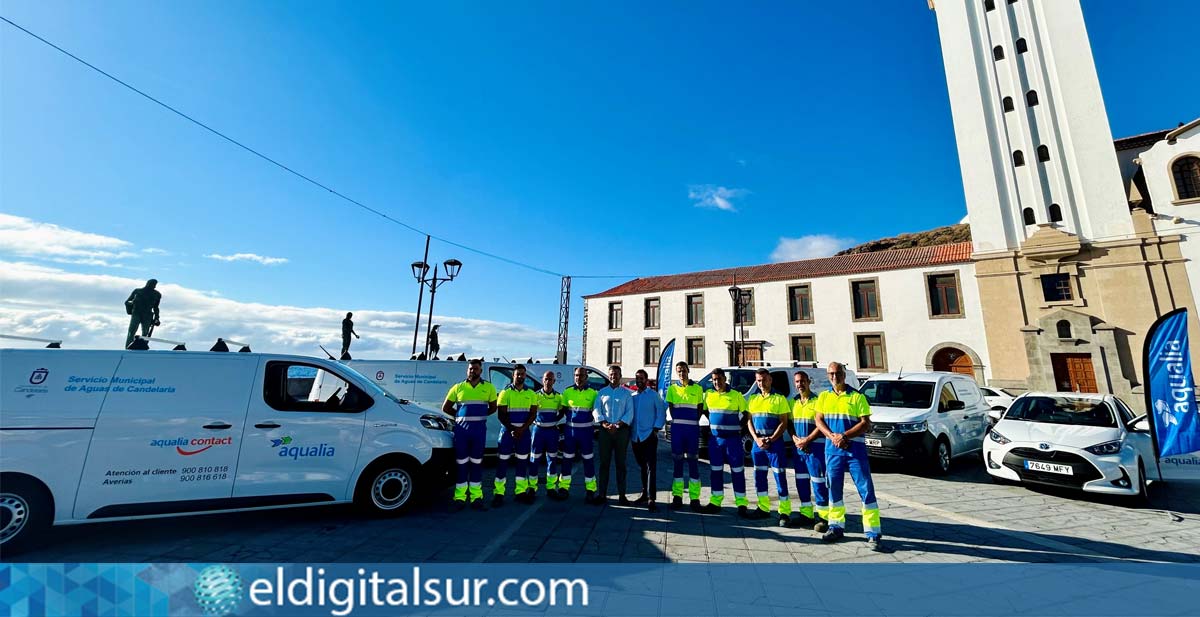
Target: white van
<point>925,417</point>
<point>425,382</point>
<point>109,435</point>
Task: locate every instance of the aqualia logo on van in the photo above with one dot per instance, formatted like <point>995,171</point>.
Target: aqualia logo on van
<point>194,445</point>
<point>286,450</point>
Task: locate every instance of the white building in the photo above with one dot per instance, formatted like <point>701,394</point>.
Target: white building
<point>1163,177</point>
<point>912,309</point>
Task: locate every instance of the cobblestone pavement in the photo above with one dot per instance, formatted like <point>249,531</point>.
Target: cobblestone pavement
<point>962,517</point>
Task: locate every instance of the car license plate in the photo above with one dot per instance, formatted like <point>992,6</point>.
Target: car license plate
<point>876,443</point>
<point>1049,467</point>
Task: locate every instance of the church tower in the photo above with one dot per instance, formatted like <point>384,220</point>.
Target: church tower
<point>1033,136</point>
<point>1070,278</point>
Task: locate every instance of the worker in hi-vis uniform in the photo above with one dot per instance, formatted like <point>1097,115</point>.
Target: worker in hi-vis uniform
<point>545,438</point>
<point>470,403</point>
<point>579,401</point>
<point>809,461</point>
<point>844,415</point>
<point>516,405</point>
<point>726,407</point>
<point>769,413</point>
<point>685,403</point>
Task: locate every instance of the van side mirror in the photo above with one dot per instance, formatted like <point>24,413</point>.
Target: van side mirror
<point>952,406</point>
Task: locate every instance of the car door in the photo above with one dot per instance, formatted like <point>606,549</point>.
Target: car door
<point>304,428</point>
<point>952,420</point>
<point>975,408</point>
<point>168,434</point>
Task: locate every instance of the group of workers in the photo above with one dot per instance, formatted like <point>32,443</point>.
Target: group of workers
<point>826,429</point>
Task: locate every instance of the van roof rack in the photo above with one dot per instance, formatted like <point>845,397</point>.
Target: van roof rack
<point>51,343</point>
<point>222,345</point>
<point>140,343</point>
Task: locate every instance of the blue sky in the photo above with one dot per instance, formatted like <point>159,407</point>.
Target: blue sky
<point>579,138</point>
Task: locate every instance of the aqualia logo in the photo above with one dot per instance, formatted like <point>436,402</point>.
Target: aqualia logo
<point>1164,411</point>
<point>218,590</point>
<point>296,452</point>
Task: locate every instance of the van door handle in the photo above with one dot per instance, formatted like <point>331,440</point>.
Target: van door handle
<point>218,425</point>
<point>267,425</point>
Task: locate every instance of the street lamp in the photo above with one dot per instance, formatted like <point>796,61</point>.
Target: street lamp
<point>420,269</point>
<point>741,299</point>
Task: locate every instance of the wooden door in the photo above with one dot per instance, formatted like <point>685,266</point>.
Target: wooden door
<point>1074,372</point>
<point>963,365</point>
<point>753,355</point>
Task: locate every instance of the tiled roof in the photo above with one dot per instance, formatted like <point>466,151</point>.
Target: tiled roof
<point>857,263</point>
<point>1140,141</point>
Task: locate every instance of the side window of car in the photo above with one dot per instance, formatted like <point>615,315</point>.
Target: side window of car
<point>500,377</point>
<point>967,392</point>
<point>291,386</point>
<point>596,380</point>
<point>987,392</point>
<point>946,395</point>
<point>781,383</point>
<point>1124,412</point>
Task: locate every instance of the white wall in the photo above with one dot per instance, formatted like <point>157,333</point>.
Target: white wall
<point>909,333</point>
<point>1156,165</point>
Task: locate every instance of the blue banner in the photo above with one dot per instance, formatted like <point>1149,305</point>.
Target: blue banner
<point>664,368</point>
<point>1170,389</point>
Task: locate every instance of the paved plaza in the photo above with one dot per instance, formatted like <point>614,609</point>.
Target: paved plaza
<point>962,517</point>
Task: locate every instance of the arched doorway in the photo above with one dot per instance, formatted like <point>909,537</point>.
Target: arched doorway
<point>954,360</point>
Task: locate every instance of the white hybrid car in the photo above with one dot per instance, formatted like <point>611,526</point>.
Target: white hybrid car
<point>1091,442</point>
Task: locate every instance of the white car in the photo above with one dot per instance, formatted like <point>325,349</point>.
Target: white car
<point>1091,442</point>
<point>998,400</point>
<point>89,436</point>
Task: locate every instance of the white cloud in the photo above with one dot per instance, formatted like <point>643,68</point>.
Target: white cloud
<point>712,196</point>
<point>86,311</point>
<point>266,261</point>
<point>809,247</point>
<point>27,238</point>
<point>155,251</point>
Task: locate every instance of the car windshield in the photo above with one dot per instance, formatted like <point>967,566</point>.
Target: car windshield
<point>895,393</point>
<point>1062,410</point>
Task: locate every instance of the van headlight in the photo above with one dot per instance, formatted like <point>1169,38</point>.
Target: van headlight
<point>1108,447</point>
<point>995,436</point>
<point>436,423</point>
<point>912,427</point>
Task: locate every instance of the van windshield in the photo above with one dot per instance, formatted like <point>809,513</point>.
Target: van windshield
<point>1062,410</point>
<point>371,387</point>
<point>905,394</point>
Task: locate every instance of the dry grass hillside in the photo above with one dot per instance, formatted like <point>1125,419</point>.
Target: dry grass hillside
<point>942,235</point>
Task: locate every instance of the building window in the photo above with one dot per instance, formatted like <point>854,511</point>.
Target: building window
<point>998,52</point>
<point>1027,214</point>
<point>1008,104</point>
<point>1018,159</point>
<point>989,5</point>
<point>614,352</point>
<point>653,351</point>
<point>614,315</point>
<point>800,303</point>
<point>944,300</point>
<point>870,353</point>
<point>804,348</point>
<point>1057,288</point>
<point>653,312</point>
<point>1186,171</point>
<point>746,318</point>
<point>865,297</point>
<point>1064,328</point>
<point>1055,213</point>
<point>695,310</point>
<point>1022,46</point>
<point>1031,98</point>
<point>1043,153</point>
<point>1012,1</point>
<point>695,352</point>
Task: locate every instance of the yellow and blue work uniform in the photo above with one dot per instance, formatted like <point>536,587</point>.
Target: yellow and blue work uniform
<point>520,403</point>
<point>685,404</point>
<point>725,411</point>
<point>580,432</point>
<point>766,414</point>
<point>811,483</point>
<point>841,412</point>
<point>544,439</point>
<point>470,435</point>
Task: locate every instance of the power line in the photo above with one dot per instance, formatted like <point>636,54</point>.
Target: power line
<point>289,170</point>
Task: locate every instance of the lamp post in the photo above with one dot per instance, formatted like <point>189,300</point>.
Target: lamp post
<point>451,268</point>
<point>419,270</point>
<point>741,299</point>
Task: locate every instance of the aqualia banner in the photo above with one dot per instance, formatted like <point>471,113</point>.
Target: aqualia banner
<point>664,368</point>
<point>1171,397</point>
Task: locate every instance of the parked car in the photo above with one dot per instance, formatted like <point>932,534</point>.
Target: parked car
<point>90,436</point>
<point>1091,442</point>
<point>998,400</point>
<point>928,418</point>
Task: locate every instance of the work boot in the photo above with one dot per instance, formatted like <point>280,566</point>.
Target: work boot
<point>753,514</point>
<point>802,521</point>
<point>497,500</point>
<point>527,497</point>
<point>833,535</point>
<point>641,500</point>
<point>478,505</point>
<point>624,501</point>
<point>875,543</point>
<point>696,506</point>
<point>458,505</point>
<point>589,497</point>
<point>785,520</point>
<point>820,526</point>
<point>677,503</point>
<point>651,506</point>
<point>712,508</point>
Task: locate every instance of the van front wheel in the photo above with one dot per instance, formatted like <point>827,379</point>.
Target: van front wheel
<point>25,512</point>
<point>387,488</point>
